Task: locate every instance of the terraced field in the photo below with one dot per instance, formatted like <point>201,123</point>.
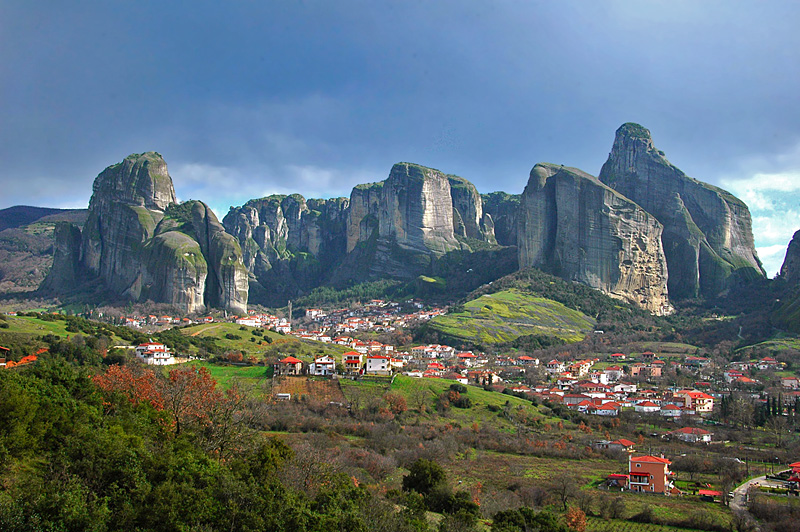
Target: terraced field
<point>320,390</point>
<point>507,315</point>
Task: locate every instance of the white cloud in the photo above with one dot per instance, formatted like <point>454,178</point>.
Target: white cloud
<point>774,201</point>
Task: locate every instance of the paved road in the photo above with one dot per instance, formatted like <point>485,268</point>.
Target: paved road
<point>739,501</point>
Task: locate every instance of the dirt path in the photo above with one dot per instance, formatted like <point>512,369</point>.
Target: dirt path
<point>204,330</point>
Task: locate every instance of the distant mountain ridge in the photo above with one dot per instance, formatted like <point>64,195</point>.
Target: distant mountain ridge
<point>642,232</point>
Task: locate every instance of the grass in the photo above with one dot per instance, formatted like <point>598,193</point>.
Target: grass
<point>504,316</point>
<point>226,376</point>
<point>32,327</point>
<point>268,342</point>
<point>596,524</point>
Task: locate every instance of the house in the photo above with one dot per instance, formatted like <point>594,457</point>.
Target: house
<point>646,407</point>
<point>670,410</point>
<point>614,373</point>
<point>378,365</point>
<point>573,399</point>
<point>249,321</point>
<point>610,408</point>
<point>324,366</point>
<point>792,383</point>
<point>617,480</point>
<point>526,360</point>
<point>289,366</point>
<point>692,435</point>
<point>768,363</point>
<point>554,366</point>
<point>650,473</point>
<point>617,445</point>
<point>155,354</point>
<point>352,362</point>
<point>700,402</point>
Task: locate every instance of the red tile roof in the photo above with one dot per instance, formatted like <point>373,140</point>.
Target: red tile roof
<point>650,459</point>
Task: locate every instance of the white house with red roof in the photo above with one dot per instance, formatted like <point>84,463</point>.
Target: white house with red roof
<point>610,408</point>
<point>155,354</point>
<point>378,365</point>
<point>646,407</point>
<point>671,411</point>
<point>617,445</point>
<point>700,402</point>
<point>323,366</point>
<point>289,366</point>
<point>692,435</point>
<point>790,383</point>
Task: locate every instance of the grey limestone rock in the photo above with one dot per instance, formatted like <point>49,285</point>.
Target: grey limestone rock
<point>573,226</point>
<point>790,270</point>
<point>708,238</point>
<point>141,245</point>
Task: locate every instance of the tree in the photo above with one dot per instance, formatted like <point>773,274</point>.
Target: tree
<point>424,475</point>
<point>396,402</point>
<point>576,520</point>
<point>187,394</point>
<point>564,488</point>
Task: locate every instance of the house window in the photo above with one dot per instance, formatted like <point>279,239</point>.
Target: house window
<point>638,465</point>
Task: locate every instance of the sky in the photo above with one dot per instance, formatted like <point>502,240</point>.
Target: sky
<point>250,98</point>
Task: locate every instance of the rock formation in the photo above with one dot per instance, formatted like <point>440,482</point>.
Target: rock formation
<point>790,270</point>
<point>502,208</point>
<point>141,245</point>
<point>708,239</point>
<point>573,226</point>
<point>289,244</point>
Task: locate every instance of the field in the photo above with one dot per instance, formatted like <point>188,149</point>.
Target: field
<point>504,316</point>
<point>226,376</point>
<point>320,390</point>
<point>596,524</point>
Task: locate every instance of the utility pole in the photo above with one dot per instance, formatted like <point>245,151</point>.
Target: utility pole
<point>290,311</point>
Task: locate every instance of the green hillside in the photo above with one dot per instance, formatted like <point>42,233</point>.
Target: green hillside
<point>504,316</point>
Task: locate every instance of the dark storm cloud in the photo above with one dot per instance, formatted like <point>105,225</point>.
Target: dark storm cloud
<point>249,98</point>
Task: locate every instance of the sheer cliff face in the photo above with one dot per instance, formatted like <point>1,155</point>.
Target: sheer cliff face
<point>573,226</point>
<point>790,270</point>
<point>289,243</point>
<point>141,245</point>
<point>127,203</point>
<point>502,208</point>
<point>419,209</point>
<point>708,238</point>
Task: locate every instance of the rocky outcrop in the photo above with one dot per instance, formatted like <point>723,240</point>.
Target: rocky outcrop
<point>141,245</point>
<point>416,210</point>
<point>708,239</point>
<point>66,257</point>
<point>790,270</point>
<point>573,226</point>
<point>289,244</point>
<point>502,209</point>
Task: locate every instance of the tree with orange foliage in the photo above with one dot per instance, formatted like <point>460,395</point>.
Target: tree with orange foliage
<point>397,403</point>
<point>188,394</point>
<point>137,384</point>
<point>576,519</point>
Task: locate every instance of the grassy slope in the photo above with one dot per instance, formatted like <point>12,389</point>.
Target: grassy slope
<point>305,350</point>
<point>227,375</point>
<point>31,327</point>
<point>504,316</point>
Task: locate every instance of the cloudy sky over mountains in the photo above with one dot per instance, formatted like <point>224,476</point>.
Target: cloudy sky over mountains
<point>246,99</point>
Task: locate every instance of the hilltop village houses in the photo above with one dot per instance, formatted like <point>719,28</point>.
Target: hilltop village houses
<point>601,385</point>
